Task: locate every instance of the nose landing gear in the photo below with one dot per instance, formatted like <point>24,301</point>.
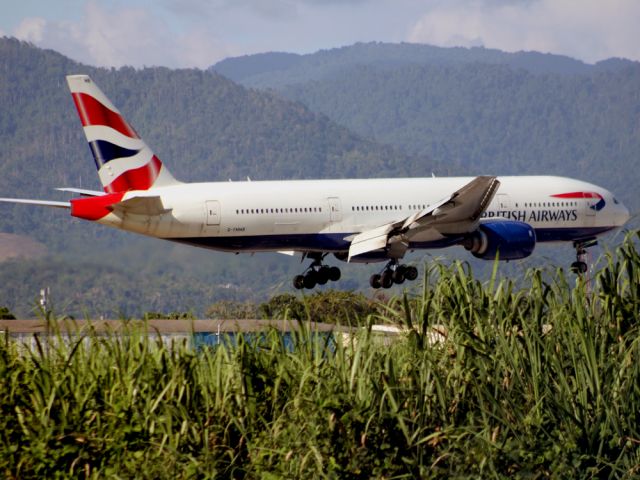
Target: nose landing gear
<point>393,273</point>
<point>580,266</point>
<point>316,274</point>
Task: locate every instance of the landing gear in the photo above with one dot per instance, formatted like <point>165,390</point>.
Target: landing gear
<point>580,266</point>
<point>393,273</point>
<point>316,274</point>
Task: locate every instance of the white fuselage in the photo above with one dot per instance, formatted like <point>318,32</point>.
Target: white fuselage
<point>321,215</point>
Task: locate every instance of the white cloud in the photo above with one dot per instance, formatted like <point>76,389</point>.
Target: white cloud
<point>31,29</point>
<point>188,33</point>
<point>590,30</point>
<point>124,36</point>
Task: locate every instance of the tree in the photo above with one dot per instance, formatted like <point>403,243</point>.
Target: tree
<point>5,314</point>
<point>231,310</point>
<point>281,306</point>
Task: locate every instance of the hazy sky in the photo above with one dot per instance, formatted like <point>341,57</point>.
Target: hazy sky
<point>198,33</point>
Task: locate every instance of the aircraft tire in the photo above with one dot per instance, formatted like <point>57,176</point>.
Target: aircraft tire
<point>410,273</point>
<point>387,279</point>
<point>579,267</point>
<point>398,276</point>
<point>310,280</point>
<point>322,276</point>
<point>334,274</point>
<point>298,282</point>
<point>374,281</point>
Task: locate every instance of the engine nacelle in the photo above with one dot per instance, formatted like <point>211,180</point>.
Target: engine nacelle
<point>505,239</point>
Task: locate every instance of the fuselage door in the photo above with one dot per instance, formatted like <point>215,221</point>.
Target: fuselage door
<point>213,212</point>
<point>335,209</point>
<point>503,201</point>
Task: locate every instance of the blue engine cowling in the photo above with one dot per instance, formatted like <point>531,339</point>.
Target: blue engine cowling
<point>504,239</point>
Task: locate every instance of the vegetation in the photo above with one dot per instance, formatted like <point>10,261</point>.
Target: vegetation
<point>447,111</point>
<point>168,316</point>
<point>328,306</point>
<point>5,314</point>
<point>204,127</point>
<point>476,110</point>
<point>482,118</point>
<point>325,306</point>
<point>537,382</point>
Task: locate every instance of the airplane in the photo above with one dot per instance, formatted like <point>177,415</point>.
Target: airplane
<point>358,220</point>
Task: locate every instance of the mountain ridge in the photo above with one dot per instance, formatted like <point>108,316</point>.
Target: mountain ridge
<point>364,121</point>
<point>278,69</point>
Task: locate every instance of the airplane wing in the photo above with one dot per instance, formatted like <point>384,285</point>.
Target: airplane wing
<point>44,203</point>
<point>456,214</point>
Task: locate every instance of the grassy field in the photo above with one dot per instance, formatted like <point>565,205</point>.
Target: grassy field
<point>534,382</point>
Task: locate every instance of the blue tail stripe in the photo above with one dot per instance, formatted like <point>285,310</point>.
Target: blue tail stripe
<point>103,152</point>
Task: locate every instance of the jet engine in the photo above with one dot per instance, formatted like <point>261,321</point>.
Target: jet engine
<point>504,239</point>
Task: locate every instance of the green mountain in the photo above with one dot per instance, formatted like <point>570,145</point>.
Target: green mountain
<point>204,127</point>
<point>361,111</point>
<point>476,110</point>
<point>278,69</point>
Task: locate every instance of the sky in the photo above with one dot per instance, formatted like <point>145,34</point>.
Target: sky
<point>199,33</point>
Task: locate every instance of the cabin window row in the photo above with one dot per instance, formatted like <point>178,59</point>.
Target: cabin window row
<point>369,208</point>
<point>550,204</point>
<point>263,211</point>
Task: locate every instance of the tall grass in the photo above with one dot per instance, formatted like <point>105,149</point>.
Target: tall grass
<point>537,382</point>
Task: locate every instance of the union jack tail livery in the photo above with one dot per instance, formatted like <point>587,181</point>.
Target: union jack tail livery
<point>124,161</point>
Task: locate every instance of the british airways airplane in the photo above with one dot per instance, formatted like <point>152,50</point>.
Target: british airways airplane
<point>358,221</point>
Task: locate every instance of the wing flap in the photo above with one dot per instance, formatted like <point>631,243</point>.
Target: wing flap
<point>456,214</point>
<point>370,240</point>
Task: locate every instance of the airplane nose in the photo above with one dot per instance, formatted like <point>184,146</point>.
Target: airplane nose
<point>623,215</point>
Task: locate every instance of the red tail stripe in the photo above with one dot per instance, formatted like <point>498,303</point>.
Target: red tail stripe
<point>92,112</point>
<point>141,178</point>
<point>94,208</point>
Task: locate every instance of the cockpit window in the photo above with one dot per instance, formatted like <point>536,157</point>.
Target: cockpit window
<point>615,200</point>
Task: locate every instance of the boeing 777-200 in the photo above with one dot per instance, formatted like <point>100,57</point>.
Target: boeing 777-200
<point>373,220</point>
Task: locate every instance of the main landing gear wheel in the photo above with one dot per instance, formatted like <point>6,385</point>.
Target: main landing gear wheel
<point>393,273</point>
<point>580,266</point>
<point>316,274</point>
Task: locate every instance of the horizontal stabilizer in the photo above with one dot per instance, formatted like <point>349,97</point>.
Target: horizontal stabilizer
<point>95,208</point>
<point>44,203</point>
<point>82,191</point>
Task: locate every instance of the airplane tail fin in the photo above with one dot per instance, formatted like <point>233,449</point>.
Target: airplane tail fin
<point>124,161</point>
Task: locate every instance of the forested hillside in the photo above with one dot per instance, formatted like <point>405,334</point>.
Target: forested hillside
<point>326,115</point>
<point>204,127</point>
<point>278,69</point>
<point>476,110</point>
